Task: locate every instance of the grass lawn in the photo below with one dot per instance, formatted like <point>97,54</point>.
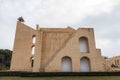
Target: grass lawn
<point>63,78</point>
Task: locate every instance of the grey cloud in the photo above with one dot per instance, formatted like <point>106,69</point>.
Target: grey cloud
<point>106,25</point>
<point>52,13</point>
<point>107,31</point>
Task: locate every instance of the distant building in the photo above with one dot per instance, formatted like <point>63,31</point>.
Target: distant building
<point>55,50</point>
<point>112,64</point>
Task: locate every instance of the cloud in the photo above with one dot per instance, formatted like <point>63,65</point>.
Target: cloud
<point>56,12</point>
<point>70,11</point>
<point>109,48</point>
<point>60,13</point>
<point>106,31</point>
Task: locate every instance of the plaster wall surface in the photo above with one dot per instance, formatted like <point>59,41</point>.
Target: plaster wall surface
<point>51,45</point>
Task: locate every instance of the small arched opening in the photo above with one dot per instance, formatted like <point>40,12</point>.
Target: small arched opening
<point>33,50</point>
<point>32,61</point>
<point>34,39</point>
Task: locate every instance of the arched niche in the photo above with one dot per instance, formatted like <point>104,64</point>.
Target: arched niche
<point>84,48</point>
<point>84,64</point>
<point>66,64</point>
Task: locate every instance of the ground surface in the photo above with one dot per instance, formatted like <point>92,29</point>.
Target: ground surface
<point>63,78</point>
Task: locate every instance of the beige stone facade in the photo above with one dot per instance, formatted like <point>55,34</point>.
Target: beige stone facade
<point>112,64</point>
<point>55,50</point>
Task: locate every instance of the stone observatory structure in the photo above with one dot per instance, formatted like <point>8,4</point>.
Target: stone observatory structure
<point>55,50</point>
<point>112,64</point>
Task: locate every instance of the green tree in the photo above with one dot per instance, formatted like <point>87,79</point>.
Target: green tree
<point>5,58</point>
<point>2,60</point>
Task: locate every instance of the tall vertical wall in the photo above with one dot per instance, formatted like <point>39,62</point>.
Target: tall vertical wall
<point>72,49</point>
<point>52,44</point>
<point>49,40</point>
<point>21,57</point>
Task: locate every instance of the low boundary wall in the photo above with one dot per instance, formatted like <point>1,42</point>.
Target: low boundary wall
<point>58,74</point>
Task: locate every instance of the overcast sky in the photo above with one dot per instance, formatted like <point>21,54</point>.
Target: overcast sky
<point>102,15</point>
